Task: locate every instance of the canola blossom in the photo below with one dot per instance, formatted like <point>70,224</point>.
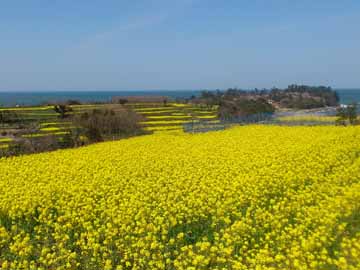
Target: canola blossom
<point>204,112</point>
<point>35,135</point>
<point>207,116</point>
<point>5,140</point>
<point>253,197</point>
<point>27,113</point>
<point>179,105</point>
<point>56,124</point>
<point>164,128</point>
<point>310,118</point>
<point>154,112</point>
<point>153,109</point>
<point>50,129</point>
<point>169,117</point>
<point>165,122</point>
<point>38,108</point>
<point>46,124</point>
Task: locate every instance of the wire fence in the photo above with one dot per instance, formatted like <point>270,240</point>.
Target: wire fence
<point>206,125</point>
<point>201,126</point>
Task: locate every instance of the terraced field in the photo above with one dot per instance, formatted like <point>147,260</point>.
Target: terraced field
<point>157,117</point>
<point>171,117</point>
<point>308,118</point>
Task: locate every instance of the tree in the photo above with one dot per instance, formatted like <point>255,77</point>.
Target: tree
<point>62,110</point>
<point>210,99</point>
<point>8,117</point>
<point>123,101</point>
<point>352,113</point>
<point>348,113</point>
<point>73,102</point>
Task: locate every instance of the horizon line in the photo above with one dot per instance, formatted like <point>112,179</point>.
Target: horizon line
<point>150,90</point>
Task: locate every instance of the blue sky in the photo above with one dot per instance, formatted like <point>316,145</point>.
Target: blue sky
<point>177,44</point>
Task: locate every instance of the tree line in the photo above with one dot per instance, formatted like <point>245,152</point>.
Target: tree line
<point>235,102</point>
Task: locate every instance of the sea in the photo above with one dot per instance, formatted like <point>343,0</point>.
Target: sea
<point>27,98</point>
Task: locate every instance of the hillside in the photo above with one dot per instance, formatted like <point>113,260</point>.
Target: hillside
<point>43,121</point>
<point>292,97</point>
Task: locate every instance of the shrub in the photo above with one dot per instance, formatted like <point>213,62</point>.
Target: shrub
<point>8,117</point>
<point>101,124</point>
<point>67,141</point>
<point>73,102</point>
<point>17,148</point>
<point>123,101</point>
<point>347,114</point>
<point>62,110</point>
<point>33,145</point>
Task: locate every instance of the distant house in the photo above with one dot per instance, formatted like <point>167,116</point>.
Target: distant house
<point>141,99</point>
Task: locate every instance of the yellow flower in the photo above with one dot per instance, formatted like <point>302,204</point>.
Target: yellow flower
<point>252,197</point>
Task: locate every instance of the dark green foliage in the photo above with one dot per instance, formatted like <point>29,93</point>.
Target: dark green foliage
<point>73,102</point>
<point>66,141</point>
<point>211,99</point>
<point>347,114</point>
<point>18,148</point>
<point>294,96</point>
<point>352,114</point>
<point>123,101</point>
<point>8,117</point>
<point>193,231</point>
<point>305,97</point>
<point>62,110</point>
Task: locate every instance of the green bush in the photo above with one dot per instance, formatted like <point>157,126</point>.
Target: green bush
<point>347,114</point>
<point>62,110</point>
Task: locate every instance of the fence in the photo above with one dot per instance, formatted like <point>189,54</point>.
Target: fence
<point>262,118</point>
<point>206,125</point>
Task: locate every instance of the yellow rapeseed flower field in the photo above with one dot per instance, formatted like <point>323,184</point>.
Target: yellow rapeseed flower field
<point>254,197</point>
<point>309,118</point>
<point>49,129</point>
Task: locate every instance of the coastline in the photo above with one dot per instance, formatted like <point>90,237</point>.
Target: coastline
<point>36,98</point>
